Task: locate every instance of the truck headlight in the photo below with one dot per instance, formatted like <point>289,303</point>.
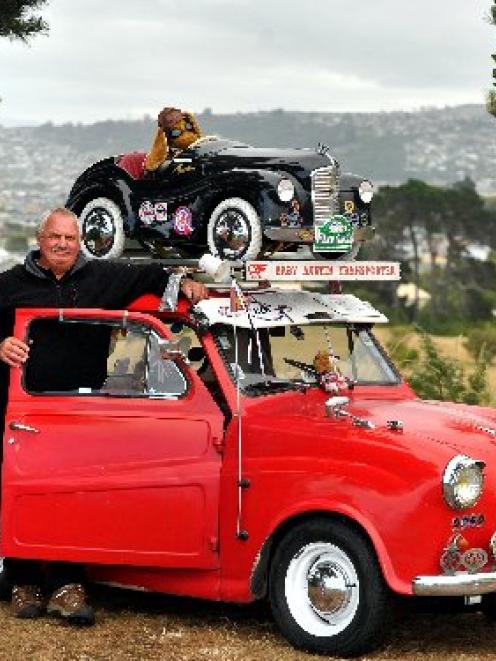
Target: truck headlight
<point>366,191</point>
<point>463,481</point>
<point>285,190</point>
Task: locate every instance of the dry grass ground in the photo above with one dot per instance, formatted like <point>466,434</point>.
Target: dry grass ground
<point>149,627</point>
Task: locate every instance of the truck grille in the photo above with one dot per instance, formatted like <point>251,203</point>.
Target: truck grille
<point>325,193</point>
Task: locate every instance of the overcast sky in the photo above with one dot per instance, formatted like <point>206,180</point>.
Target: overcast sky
<point>126,58</point>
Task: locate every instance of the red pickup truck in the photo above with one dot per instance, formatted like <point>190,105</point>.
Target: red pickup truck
<point>279,456</point>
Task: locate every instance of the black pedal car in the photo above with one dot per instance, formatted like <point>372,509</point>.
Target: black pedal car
<point>235,200</point>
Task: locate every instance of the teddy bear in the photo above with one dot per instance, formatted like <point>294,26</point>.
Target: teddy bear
<point>329,375</point>
<point>176,131</point>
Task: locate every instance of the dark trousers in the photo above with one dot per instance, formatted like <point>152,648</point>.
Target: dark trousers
<point>49,576</point>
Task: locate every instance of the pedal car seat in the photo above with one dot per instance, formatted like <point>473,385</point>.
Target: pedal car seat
<point>133,164</point>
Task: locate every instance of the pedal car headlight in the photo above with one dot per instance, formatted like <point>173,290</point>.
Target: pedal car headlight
<point>285,190</point>
<point>463,481</point>
<point>366,191</point>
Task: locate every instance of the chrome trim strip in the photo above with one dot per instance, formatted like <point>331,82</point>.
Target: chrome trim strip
<point>458,585</point>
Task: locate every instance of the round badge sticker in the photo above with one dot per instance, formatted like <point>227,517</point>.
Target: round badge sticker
<point>183,221</point>
<point>146,213</point>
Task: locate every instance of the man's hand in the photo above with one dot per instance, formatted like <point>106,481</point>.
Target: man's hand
<point>14,352</point>
<point>194,291</point>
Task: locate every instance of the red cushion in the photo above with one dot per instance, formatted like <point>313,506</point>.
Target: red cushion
<point>133,164</point>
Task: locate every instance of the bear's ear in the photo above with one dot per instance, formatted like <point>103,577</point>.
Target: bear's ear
<point>189,117</point>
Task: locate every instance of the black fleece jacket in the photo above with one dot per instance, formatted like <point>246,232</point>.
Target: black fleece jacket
<point>89,284</point>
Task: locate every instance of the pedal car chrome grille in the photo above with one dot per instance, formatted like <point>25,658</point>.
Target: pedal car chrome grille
<point>325,193</point>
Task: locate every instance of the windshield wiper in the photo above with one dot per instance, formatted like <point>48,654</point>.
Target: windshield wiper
<point>272,385</point>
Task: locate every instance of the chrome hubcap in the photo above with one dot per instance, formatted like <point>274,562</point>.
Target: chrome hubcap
<point>98,231</point>
<point>231,234</point>
<point>329,590</point>
<point>322,589</point>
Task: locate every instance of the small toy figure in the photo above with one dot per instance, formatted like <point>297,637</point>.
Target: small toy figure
<point>330,376</point>
<point>176,131</point>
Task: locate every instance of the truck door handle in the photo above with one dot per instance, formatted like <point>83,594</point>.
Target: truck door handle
<point>18,426</point>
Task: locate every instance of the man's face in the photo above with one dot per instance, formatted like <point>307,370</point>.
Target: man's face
<point>59,243</point>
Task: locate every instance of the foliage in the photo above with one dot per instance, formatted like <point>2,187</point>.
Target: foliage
<point>17,20</point>
<point>436,377</point>
<point>403,355</point>
<point>491,96</point>
<point>432,231</point>
<point>482,342</point>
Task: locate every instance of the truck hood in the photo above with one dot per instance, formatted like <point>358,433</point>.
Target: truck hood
<point>432,430</point>
<point>443,426</point>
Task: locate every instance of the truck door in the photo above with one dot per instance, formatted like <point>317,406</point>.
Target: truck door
<point>110,451</point>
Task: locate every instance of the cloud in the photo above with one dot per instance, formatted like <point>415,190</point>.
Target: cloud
<point>120,57</point>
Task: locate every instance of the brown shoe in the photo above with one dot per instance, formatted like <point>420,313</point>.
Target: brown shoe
<point>69,602</point>
<point>27,602</point>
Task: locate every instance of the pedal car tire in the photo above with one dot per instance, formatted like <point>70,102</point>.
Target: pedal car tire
<point>102,229</point>
<point>234,230</point>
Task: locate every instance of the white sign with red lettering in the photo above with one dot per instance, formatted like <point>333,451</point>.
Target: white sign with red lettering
<point>329,270</point>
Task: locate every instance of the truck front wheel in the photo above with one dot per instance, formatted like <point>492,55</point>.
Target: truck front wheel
<point>327,592</point>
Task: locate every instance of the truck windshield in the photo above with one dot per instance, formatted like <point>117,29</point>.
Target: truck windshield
<point>271,359</point>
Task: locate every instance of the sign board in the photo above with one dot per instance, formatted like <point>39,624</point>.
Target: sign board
<point>327,270</point>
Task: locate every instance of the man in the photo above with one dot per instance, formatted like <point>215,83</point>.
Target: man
<point>57,275</point>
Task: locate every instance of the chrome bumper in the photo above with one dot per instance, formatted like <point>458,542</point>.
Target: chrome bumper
<point>307,234</point>
<point>290,234</point>
<point>458,585</point>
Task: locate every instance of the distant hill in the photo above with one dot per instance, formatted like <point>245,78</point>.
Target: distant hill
<point>440,146</point>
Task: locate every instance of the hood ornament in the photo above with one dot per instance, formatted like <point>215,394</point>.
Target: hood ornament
<point>395,425</point>
<point>334,409</point>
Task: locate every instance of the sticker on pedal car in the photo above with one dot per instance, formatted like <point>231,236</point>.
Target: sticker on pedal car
<point>183,221</point>
<point>334,235</point>
<point>146,212</point>
<point>160,211</point>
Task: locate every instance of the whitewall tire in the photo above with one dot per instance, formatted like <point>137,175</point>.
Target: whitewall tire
<point>102,229</point>
<point>234,230</point>
<point>327,592</point>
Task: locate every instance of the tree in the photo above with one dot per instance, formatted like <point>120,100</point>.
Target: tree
<point>491,97</point>
<point>436,377</point>
<point>17,20</point>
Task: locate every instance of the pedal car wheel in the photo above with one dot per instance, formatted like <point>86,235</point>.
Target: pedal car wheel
<point>326,590</point>
<point>102,229</point>
<point>234,230</point>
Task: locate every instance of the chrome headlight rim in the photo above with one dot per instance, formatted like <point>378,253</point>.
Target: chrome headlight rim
<point>366,191</point>
<point>463,482</point>
<point>285,190</point>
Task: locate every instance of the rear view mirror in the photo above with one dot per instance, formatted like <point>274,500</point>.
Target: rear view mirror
<point>174,349</point>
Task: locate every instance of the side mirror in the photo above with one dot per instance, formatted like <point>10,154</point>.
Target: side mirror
<point>174,349</point>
